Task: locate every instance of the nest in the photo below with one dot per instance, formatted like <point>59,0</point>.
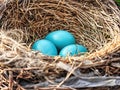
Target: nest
<point>94,23</point>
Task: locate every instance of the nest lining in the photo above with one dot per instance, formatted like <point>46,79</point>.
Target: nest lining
<point>92,27</point>
<point>95,26</point>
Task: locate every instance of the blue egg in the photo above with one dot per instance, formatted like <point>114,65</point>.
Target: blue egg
<point>45,46</point>
<point>73,49</point>
<point>61,38</point>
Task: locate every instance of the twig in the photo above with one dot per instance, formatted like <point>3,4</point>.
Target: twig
<point>68,75</point>
<point>19,69</point>
<point>10,80</point>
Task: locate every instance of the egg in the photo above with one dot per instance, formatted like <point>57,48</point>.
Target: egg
<point>45,46</point>
<point>61,38</point>
<point>73,49</point>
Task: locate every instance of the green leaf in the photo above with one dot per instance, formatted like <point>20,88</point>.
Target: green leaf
<point>118,2</point>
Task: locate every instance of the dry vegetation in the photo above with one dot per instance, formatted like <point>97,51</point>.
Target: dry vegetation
<point>94,23</point>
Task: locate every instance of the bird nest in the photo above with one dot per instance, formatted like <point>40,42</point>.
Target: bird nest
<point>94,23</point>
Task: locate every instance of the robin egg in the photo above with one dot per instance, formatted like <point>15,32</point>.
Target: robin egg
<point>45,46</point>
<point>61,38</point>
<point>73,49</point>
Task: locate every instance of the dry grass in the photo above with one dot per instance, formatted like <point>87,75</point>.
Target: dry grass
<point>94,24</point>
<point>92,27</point>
